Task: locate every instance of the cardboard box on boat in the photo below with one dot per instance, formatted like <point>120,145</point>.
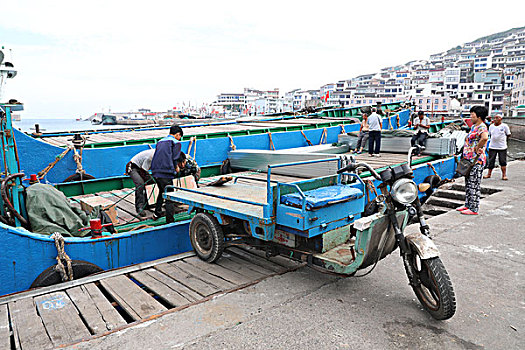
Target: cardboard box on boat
<point>152,191</point>
<point>88,203</point>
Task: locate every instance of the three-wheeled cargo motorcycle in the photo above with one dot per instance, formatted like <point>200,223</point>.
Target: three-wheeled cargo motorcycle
<point>322,222</point>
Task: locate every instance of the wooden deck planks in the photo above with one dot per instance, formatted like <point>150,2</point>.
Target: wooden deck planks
<point>29,331</point>
<point>163,291</point>
<point>240,268</point>
<point>190,281</point>
<point>248,264</point>
<point>176,286</point>
<point>96,310</point>
<point>79,312</point>
<point>257,260</point>
<point>5,342</point>
<point>61,319</point>
<point>217,270</point>
<point>218,282</point>
<point>135,301</point>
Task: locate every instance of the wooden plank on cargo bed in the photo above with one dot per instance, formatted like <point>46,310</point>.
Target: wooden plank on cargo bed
<point>214,269</point>
<point>29,331</point>
<point>176,286</point>
<point>203,275</point>
<point>267,264</point>
<point>187,279</point>
<point>135,301</point>
<point>96,310</point>
<point>61,318</point>
<point>163,291</point>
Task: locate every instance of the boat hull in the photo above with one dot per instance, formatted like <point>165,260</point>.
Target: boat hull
<point>26,255</point>
<point>35,155</point>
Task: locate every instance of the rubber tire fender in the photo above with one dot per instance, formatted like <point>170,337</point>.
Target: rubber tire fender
<point>207,224</point>
<point>51,276</point>
<point>79,177</point>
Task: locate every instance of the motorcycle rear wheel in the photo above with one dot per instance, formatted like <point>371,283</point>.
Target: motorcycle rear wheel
<point>433,287</point>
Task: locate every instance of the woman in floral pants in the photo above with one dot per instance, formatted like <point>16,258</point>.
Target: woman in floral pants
<point>475,144</point>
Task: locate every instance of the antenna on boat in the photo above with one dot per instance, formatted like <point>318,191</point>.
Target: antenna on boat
<point>7,70</point>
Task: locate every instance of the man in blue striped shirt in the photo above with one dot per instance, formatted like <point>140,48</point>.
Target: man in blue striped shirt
<point>164,168</point>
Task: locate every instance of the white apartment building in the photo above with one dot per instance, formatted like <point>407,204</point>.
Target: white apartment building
<point>499,61</point>
<point>234,102</point>
<point>432,103</point>
<point>436,75</point>
<point>451,80</point>
<point>482,62</point>
<point>518,90</point>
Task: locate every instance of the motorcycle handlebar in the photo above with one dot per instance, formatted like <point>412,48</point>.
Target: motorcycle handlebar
<point>355,166</point>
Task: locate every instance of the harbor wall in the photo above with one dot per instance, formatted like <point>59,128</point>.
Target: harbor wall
<point>516,126</point>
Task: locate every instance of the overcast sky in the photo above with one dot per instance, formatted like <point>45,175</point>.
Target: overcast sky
<point>76,58</point>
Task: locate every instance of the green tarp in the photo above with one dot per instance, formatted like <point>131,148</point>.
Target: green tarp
<point>49,211</point>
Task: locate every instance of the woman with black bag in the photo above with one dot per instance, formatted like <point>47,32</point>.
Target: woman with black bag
<point>474,150</point>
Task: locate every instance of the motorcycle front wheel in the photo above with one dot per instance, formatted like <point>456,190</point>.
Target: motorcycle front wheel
<point>432,286</point>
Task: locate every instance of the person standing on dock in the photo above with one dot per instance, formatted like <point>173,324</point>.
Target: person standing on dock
<point>362,139</point>
<point>474,148</point>
<point>499,132</point>
<point>164,168</point>
<point>421,125</point>
<point>374,134</point>
<point>138,169</point>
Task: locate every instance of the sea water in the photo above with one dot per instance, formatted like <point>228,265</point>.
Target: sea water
<point>52,125</point>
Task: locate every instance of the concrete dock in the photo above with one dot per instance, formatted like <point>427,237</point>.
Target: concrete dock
<point>306,309</point>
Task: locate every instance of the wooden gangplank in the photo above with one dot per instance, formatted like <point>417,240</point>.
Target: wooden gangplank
<point>97,305</point>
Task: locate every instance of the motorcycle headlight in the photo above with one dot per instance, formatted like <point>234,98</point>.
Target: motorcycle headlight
<point>404,191</point>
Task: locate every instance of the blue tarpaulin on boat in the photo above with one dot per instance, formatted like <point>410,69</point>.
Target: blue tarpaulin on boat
<point>322,196</point>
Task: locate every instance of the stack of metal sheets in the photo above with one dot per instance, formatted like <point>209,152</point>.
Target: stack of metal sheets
<point>249,159</point>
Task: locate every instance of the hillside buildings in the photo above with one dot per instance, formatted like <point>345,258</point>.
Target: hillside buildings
<point>488,71</point>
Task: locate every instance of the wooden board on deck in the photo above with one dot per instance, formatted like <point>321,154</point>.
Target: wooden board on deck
<point>135,301</point>
<point>29,331</point>
<point>217,270</point>
<point>167,294</point>
<point>175,285</point>
<point>187,279</point>
<point>257,260</point>
<point>61,318</point>
<point>96,310</point>
<point>203,275</point>
<point>240,268</point>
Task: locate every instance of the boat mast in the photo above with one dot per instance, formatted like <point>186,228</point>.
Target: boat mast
<point>9,153</point>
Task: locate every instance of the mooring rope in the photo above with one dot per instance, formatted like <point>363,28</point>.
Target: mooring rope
<point>44,172</point>
<point>306,138</point>
<point>193,143</point>
<point>67,275</point>
<point>272,146</point>
<point>232,145</point>
<point>324,136</point>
